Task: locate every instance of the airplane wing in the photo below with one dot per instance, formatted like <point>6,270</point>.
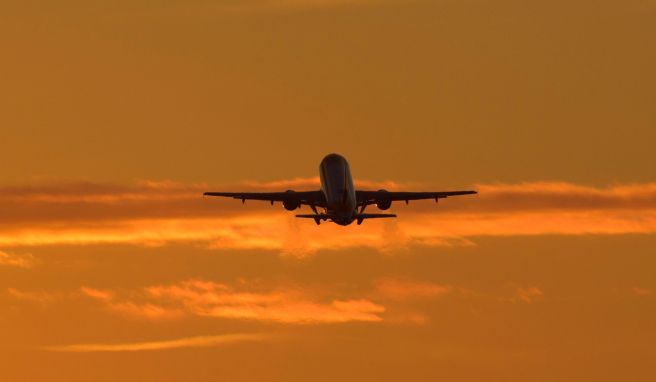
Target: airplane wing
<point>313,198</point>
<point>372,197</point>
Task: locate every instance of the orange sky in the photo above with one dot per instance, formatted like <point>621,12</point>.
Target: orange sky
<point>115,116</point>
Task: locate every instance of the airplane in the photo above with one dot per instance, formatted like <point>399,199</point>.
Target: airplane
<point>337,198</point>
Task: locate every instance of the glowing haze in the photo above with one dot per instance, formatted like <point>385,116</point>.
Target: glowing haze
<point>162,213</point>
<point>115,117</point>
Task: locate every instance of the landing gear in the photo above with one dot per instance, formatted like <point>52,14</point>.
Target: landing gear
<point>317,219</point>
<point>361,219</point>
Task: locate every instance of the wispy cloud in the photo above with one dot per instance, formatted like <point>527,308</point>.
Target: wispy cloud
<point>188,342</point>
<point>398,289</point>
<point>244,302</point>
<point>15,260</point>
<point>258,301</point>
<point>129,308</point>
<point>157,213</point>
<point>43,298</point>
<point>526,295</point>
<point>390,300</point>
<point>641,291</point>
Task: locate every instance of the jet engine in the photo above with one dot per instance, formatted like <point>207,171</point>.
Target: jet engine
<point>382,202</point>
<point>291,204</point>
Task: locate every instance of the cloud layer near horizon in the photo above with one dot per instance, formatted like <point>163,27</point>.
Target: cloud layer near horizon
<point>157,213</point>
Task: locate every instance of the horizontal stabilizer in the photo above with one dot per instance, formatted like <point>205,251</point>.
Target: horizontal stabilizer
<point>317,217</point>
<point>358,216</point>
<point>361,217</point>
<point>375,216</point>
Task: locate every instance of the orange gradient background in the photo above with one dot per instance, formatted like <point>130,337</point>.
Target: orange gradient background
<point>115,116</point>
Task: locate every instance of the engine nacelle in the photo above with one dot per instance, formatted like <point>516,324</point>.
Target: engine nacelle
<point>382,202</point>
<point>291,204</point>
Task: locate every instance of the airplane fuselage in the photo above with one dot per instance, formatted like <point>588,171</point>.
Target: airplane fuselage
<point>338,190</point>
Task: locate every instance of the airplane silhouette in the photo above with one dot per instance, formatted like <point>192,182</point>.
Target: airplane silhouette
<point>337,197</point>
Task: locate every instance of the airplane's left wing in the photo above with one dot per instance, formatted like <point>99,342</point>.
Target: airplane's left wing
<point>312,198</point>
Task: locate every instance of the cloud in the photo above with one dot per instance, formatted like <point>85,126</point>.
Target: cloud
<point>128,308</point>
<point>159,213</point>
<point>243,302</point>
<point>397,289</point>
<point>566,196</point>
<point>97,294</point>
<point>43,298</point>
<point>387,300</point>
<point>527,295</point>
<point>188,342</point>
<point>257,301</point>
<point>400,295</point>
<point>641,291</point>
<point>13,260</point>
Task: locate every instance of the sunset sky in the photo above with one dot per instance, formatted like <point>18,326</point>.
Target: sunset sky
<point>115,117</point>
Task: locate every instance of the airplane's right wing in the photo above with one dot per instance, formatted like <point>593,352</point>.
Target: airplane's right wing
<point>373,197</point>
